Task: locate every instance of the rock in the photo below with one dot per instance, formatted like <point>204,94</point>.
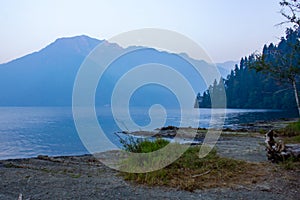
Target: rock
<point>264,188</point>
<point>43,157</point>
<point>168,132</point>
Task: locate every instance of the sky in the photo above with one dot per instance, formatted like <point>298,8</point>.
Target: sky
<point>226,30</point>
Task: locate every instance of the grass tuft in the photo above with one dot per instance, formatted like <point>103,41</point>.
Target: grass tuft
<point>291,163</point>
<point>142,145</point>
<point>189,172</point>
<point>293,129</point>
<point>292,140</point>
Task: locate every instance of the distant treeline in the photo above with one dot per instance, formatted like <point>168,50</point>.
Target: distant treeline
<point>246,88</point>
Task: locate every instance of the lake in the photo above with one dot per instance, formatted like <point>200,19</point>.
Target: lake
<point>31,131</point>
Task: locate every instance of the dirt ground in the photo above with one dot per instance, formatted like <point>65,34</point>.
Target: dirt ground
<point>83,177</point>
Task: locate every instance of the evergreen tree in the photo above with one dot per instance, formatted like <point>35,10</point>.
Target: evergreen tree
<point>248,87</point>
<point>282,61</point>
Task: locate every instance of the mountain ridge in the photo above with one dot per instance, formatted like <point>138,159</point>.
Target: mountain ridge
<point>46,77</point>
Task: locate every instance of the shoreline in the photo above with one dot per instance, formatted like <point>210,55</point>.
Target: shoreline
<point>194,135</point>
<point>249,129</point>
<point>84,177</point>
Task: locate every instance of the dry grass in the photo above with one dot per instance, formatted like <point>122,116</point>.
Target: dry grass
<point>190,172</point>
<point>292,129</point>
<point>292,140</point>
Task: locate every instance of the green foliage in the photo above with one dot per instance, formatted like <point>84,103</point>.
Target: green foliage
<point>130,144</point>
<point>215,95</point>
<point>189,172</point>
<point>10,165</point>
<point>151,155</point>
<point>268,80</point>
<point>281,61</point>
<point>291,140</point>
<point>148,146</point>
<point>246,88</point>
<point>293,129</point>
<point>143,146</point>
<point>75,175</point>
<point>291,163</point>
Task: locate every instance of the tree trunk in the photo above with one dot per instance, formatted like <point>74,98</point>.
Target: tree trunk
<point>296,96</point>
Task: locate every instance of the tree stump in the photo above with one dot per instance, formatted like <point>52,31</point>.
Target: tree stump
<point>278,151</point>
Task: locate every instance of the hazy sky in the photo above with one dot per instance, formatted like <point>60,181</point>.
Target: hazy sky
<point>227,30</point>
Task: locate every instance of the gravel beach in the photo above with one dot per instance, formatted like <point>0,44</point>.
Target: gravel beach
<point>84,177</point>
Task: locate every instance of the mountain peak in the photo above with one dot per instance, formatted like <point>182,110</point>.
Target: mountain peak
<point>81,45</point>
<point>78,38</point>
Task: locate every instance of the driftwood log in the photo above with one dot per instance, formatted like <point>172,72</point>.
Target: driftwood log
<point>278,151</point>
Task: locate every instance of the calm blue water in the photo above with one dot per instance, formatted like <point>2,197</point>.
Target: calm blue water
<point>32,131</point>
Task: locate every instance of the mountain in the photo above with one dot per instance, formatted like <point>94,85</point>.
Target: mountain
<point>226,67</point>
<point>46,77</point>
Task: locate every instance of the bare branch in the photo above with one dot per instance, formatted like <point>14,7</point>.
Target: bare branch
<point>293,8</point>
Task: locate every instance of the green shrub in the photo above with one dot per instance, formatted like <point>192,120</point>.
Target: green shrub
<point>293,129</point>
<point>150,146</point>
<point>143,145</point>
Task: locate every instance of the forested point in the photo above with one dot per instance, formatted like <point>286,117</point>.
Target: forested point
<point>248,87</point>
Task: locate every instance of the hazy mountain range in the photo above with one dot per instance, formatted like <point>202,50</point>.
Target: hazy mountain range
<point>46,77</point>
